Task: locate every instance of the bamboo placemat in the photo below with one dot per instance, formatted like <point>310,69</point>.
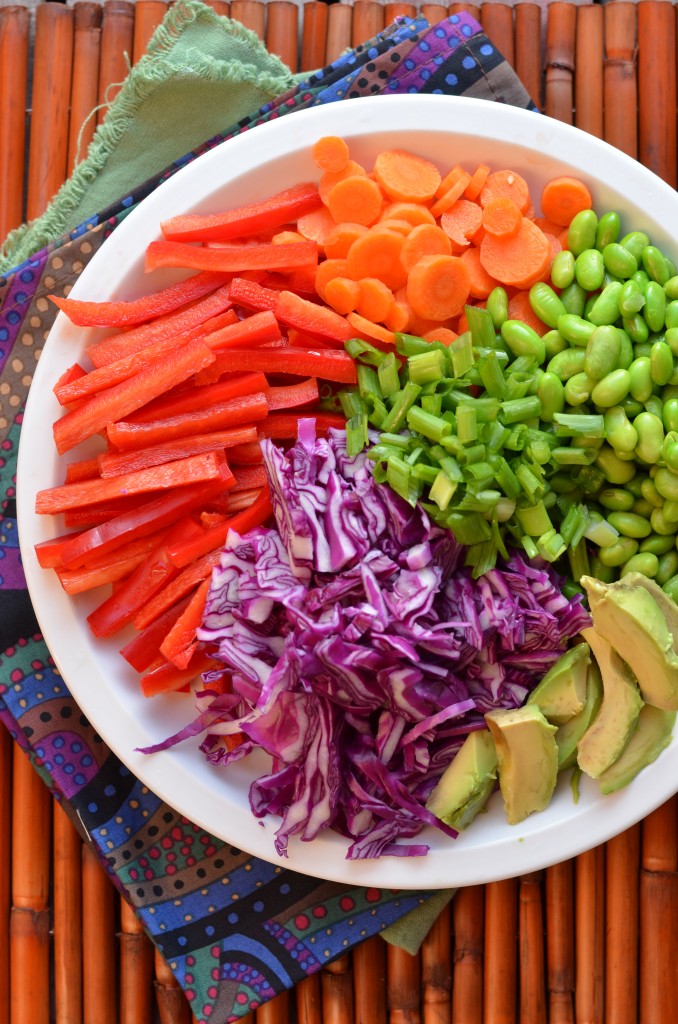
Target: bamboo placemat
<point>591,940</point>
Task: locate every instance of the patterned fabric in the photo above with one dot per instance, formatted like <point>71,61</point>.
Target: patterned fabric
<point>234,929</point>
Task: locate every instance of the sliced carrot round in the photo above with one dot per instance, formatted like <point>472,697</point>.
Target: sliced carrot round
<point>375,299</point>
<point>406,176</point>
<point>399,317</point>
<point>519,260</point>
<point>377,254</point>
<point>519,308</point>
<point>326,271</point>
<point>501,217</point>
<point>342,294</point>
<point>424,240</point>
<point>564,197</point>
<point>462,222</point>
<point>357,199</point>
<point>480,282</point>
<point>442,334</point>
<point>316,225</point>
<point>330,153</point>
<point>506,183</point>
<point>341,238</point>
<point>478,179</point>
<point>328,179</point>
<point>415,213</point>
<point>438,286</point>
<point>403,226</point>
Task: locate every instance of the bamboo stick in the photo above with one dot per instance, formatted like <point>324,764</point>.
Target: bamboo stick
<point>501,952</point>
<point>67,902</point>
<point>590,935</point>
<point>436,970</point>
<point>559,891</point>
<point>5,860</point>
<point>282,31</point>
<point>369,981</point>
<point>85,79</point>
<point>403,986</point>
<point>136,968</point>
<point>621,926</point>
<point>147,16</point>
<point>660,838</point>
<point>309,1000</point>
<point>52,63</point>
<point>433,13</point>
<point>98,942</point>
<point>559,60</point>
<point>588,79</point>
<point>313,35</point>
<point>657,92</point>
<point>220,7</point>
<point>659,913</point>
<point>251,14</point>
<point>275,1011</point>
<point>339,28</point>
<point>531,942</point>
<point>173,1007</point>
<point>497,20</point>
<point>468,916</point>
<point>528,55</point>
<point>29,916</point>
<point>117,40</point>
<point>619,77</point>
<point>472,9</point>
<point>336,983</point>
<point>14,35</point>
<point>368,20</point>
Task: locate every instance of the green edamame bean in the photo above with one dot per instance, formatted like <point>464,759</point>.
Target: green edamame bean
<point>650,437</point>
<point>626,354</point>
<point>575,329</point>
<point>616,499</point>
<point>645,563</point>
<point>666,482</point>
<point>642,349</point>
<point>671,314</point>
<point>619,261</point>
<point>566,363</point>
<point>670,454</point>
<point>615,469</point>
<point>671,588</point>
<point>650,493</point>
<point>641,379</point>
<point>668,565</point>
<point>671,339</point>
<point>635,484</point>
<point>659,545</point>
<point>618,553</point>
<point>497,306</point>
<point>636,328</point>
<point>635,242</point>
<point>573,297</point>
<point>546,304</point>
<point>628,524</point>
<point>553,343</point>
<point>631,407</point>
<point>631,298</point>
<point>670,511</point>
<point>604,573</point>
<point>523,340</point>
<point>605,309</point>
<point>589,269</point>
<point>655,306</point>
<point>607,232</point>
<point>551,394</point>
<point>654,264</point>
<point>671,287</point>
<point>562,269</point>
<point>621,435</point>
<point>655,405</point>
<point>611,389</point>
<point>642,508</point>
<point>661,525</point>
<point>578,389</point>
<point>602,352</point>
<point>661,363</point>
<point>581,234</point>
<point>670,414</point>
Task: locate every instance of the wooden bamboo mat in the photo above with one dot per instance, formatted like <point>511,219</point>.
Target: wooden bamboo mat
<point>591,941</point>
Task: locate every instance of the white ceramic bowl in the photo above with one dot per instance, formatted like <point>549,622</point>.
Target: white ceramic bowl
<point>254,165</point>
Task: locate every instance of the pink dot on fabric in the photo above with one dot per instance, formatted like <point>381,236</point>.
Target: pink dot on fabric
<point>207,1010</point>
<point>212,991</point>
<point>241,998</point>
<point>319,911</point>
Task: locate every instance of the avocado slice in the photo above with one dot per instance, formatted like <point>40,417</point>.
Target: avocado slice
<point>569,734</point>
<point>610,730</point>
<point>561,694</point>
<point>527,758</point>
<point>652,734</point>
<point>635,621</point>
<point>465,786</point>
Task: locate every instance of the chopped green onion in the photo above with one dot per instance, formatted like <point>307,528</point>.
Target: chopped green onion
<point>518,410</point>
<point>442,490</point>
<point>351,403</point>
<point>534,520</point>
<point>481,326</point>
<point>402,403</point>
<point>356,433</point>
<point>432,404</point>
<point>469,529</point>
<point>551,546</point>
<point>427,367</point>
<point>462,354</point>
<point>433,427</point>
<point>388,375</point>
<point>363,351</point>
<point>467,422</point>
<point>577,425</point>
<point>578,557</point>
<point>574,456</point>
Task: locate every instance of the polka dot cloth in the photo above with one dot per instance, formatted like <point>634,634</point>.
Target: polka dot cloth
<point>235,930</point>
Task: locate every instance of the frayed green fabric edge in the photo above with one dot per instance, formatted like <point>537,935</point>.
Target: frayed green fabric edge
<point>154,68</point>
<point>410,931</point>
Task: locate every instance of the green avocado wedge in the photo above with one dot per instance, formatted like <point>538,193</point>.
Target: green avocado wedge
<point>569,734</point>
<point>561,694</point>
<point>466,784</point>
<point>651,735</point>
<point>527,758</point>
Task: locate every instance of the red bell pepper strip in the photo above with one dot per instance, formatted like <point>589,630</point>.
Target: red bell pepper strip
<point>281,426</point>
<point>252,295</point>
<point>114,463</point>
<point>82,469</point>
<point>257,329</point>
<point>247,454</point>
<point>167,678</point>
<point>111,568</point>
<point>114,403</point>
<point>200,397</point>
<point>185,583</point>
<point>122,313</point>
<point>249,477</point>
<point>190,318</point>
<point>144,648</point>
<point>234,413</point>
<point>231,258</point>
<point>293,311</point>
<point>194,469</point>
<point>180,642</point>
<point>73,373</point>
<point>273,212</point>
<point>292,395</point>
<point>49,552</point>
<point>328,364</point>
<point>92,515</point>
<point>147,518</point>
<point>185,553</point>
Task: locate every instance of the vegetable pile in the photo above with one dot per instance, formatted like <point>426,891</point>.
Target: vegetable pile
<point>360,652</point>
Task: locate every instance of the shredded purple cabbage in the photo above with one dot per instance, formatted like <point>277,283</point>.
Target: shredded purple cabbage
<point>361,650</point>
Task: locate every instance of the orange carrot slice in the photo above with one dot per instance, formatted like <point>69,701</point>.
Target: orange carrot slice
<point>377,254</point>
<point>406,176</point>
<point>462,222</point>
<point>357,199</point>
<point>564,197</point>
<point>506,183</point>
<point>330,153</point>
<point>438,286</point>
<point>424,240</point>
<point>519,260</point>
<point>501,217</point>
